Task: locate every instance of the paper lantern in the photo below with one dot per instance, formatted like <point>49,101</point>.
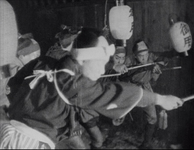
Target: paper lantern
<point>181,37</point>
<point>121,22</point>
<point>8,33</point>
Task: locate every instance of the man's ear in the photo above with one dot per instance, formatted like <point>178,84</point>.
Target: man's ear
<point>80,62</point>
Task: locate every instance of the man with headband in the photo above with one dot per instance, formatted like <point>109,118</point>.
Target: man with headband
<point>48,88</point>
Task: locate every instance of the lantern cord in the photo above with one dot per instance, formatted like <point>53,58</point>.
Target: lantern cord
<point>105,16</point>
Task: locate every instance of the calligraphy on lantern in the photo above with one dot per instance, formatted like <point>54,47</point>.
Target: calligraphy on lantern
<point>132,23</point>
<point>184,30</point>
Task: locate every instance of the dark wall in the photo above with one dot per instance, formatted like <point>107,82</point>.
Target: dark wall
<point>151,23</point>
<point>151,17</point>
<point>44,17</point>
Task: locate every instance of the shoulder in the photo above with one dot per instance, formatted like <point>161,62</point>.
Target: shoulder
<point>68,62</point>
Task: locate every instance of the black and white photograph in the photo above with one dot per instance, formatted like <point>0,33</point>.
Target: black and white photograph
<point>96,74</point>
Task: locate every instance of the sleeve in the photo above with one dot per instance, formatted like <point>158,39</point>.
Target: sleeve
<point>163,57</point>
<point>141,77</point>
<point>15,82</point>
<point>113,100</point>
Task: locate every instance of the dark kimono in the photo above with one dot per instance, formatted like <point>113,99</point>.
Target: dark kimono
<point>43,109</point>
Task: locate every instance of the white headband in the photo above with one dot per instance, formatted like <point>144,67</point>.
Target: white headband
<point>95,53</point>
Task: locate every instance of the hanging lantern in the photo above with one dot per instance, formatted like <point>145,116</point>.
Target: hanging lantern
<point>8,33</point>
<point>181,37</point>
<point>121,22</point>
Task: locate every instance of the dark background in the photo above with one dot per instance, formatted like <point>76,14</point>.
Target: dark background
<point>151,23</point>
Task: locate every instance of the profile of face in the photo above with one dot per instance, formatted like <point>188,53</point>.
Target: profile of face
<point>119,58</point>
<point>93,69</point>
<point>27,58</point>
<point>142,57</point>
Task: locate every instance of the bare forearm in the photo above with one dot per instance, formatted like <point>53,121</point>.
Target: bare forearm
<point>167,102</point>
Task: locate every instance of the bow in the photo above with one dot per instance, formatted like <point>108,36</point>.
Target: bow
<point>38,74</point>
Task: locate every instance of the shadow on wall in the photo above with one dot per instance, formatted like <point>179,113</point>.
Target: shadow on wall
<point>178,82</point>
<point>46,25</point>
